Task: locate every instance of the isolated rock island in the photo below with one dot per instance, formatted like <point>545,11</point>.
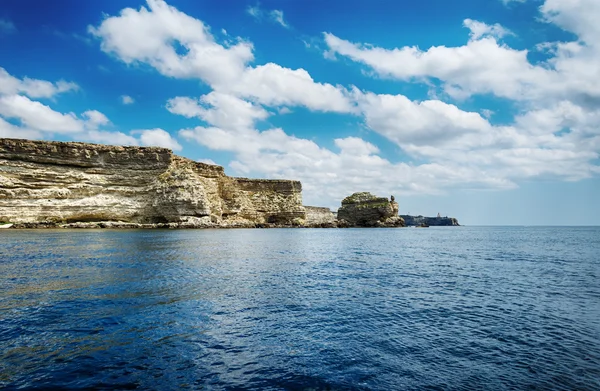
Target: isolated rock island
<point>366,210</point>
<point>81,185</point>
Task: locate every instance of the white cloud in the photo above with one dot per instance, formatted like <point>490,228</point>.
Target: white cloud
<point>94,119</point>
<point>174,43</point>
<point>11,131</point>
<point>274,85</point>
<point>157,138</point>
<point>277,16</point>
<point>577,16</point>
<point>405,122</point>
<point>127,100</point>
<point>487,113</point>
<point>482,66</point>
<point>35,115</point>
<point>111,138</point>
<point>221,110</point>
<point>32,87</point>
<point>35,120</point>
<point>355,146</point>
<point>150,36</point>
<point>479,29</point>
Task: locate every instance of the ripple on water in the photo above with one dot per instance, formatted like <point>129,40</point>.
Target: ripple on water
<point>459,309</point>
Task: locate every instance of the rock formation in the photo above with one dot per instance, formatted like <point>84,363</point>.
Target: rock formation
<point>431,221</point>
<point>46,183</point>
<point>318,217</point>
<point>367,210</point>
<point>80,185</point>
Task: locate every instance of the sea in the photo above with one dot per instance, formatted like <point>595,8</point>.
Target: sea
<point>439,308</point>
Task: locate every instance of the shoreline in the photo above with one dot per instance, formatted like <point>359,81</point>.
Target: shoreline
<point>125,225</point>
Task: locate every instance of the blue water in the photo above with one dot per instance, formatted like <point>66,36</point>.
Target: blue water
<point>456,308</point>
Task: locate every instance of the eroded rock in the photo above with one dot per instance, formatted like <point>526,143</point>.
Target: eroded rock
<point>68,184</point>
<point>366,210</point>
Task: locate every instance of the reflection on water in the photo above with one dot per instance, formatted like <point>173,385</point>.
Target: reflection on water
<point>444,308</point>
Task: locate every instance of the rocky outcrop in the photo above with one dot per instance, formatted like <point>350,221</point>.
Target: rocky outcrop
<point>45,184</point>
<point>367,210</point>
<point>431,221</point>
<point>318,217</point>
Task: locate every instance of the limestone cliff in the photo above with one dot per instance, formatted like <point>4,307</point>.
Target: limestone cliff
<point>318,217</point>
<point>54,183</point>
<point>367,210</point>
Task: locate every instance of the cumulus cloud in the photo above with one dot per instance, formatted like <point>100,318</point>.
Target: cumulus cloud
<point>36,115</point>
<point>479,29</point>
<point>484,65</point>
<point>406,122</point>
<point>33,119</point>
<point>153,36</point>
<point>157,138</point>
<point>219,109</point>
<point>149,35</point>
<point>33,88</point>
<point>12,131</point>
<point>108,137</point>
<point>274,85</point>
<point>481,66</point>
<point>95,119</point>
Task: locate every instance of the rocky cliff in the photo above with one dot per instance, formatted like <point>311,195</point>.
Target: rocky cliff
<point>431,221</point>
<point>46,183</point>
<point>318,217</point>
<point>367,210</point>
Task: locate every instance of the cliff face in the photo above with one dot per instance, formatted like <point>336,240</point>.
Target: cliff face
<point>61,183</point>
<point>319,217</point>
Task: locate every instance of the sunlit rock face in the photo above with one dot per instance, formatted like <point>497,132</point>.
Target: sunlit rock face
<point>61,183</point>
<point>366,210</point>
<point>319,217</point>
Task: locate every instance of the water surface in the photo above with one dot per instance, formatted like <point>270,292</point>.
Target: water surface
<point>448,308</point>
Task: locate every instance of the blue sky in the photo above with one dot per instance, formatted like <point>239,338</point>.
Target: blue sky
<point>488,111</point>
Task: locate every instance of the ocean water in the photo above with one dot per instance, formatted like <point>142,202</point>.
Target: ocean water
<point>448,308</point>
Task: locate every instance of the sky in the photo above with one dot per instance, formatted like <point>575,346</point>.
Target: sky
<point>487,111</point>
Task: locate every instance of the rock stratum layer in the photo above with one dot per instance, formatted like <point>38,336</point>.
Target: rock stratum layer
<point>45,183</point>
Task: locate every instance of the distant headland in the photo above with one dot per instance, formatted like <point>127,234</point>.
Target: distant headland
<point>429,221</point>
<point>50,184</point>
